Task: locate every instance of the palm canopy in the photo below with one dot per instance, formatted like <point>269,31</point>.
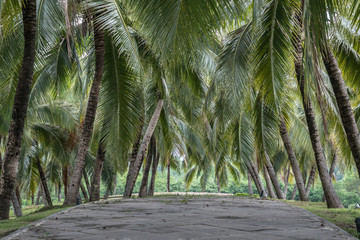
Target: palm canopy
<point>226,71</point>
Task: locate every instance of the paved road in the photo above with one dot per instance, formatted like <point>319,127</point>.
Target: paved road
<point>184,218</point>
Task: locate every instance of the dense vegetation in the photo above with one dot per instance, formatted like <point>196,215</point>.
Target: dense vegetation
<point>218,91</point>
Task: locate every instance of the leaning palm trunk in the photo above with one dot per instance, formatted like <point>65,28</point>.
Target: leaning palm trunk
<point>21,100</point>
<point>1,161</point>
<point>143,148</point>
<point>293,194</point>
<point>332,199</point>
<point>82,187</point>
<point>86,133</point>
<point>269,188</point>
<point>168,177</point>
<point>86,179</point>
<point>16,205</point>
<point>256,177</point>
<point>95,181</point>
<point>344,106</point>
<point>153,175</point>
<point>311,179</point>
<point>134,153</point>
<point>144,181</point>
<point>273,177</point>
<point>43,182</point>
<point>293,161</point>
<point>286,181</point>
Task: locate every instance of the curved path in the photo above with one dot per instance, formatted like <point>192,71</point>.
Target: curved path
<point>182,217</point>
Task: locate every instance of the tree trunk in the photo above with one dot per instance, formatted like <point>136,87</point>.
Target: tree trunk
<point>1,161</point>
<point>250,190</point>
<point>153,174</point>
<point>332,199</point>
<point>293,194</point>
<point>311,179</point>
<point>168,177</point>
<point>65,179</point>
<point>286,180</point>
<point>268,183</point>
<point>343,103</point>
<point>87,129</point>
<point>86,179</point>
<point>332,167</point>
<point>38,195</point>
<point>21,100</point>
<point>59,192</point>
<point>256,177</point>
<point>150,156</point>
<point>16,205</point>
<point>43,198</point>
<point>133,158</point>
<point>218,184</point>
<point>43,182</point>
<point>114,190</point>
<point>32,199</point>
<point>96,178</point>
<point>293,161</point>
<point>273,177</point>
<point>83,190</point>
<point>143,148</point>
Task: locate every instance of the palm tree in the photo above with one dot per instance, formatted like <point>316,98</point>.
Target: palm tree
<point>21,99</point>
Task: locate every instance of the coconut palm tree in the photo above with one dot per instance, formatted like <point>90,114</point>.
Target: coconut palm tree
<point>21,100</point>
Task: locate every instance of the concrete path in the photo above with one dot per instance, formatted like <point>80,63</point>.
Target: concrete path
<point>184,218</point>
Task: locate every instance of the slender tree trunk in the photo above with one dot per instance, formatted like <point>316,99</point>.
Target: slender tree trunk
<point>344,105</point>
<point>311,179</point>
<point>86,179</point>
<point>268,183</point>
<point>143,148</point>
<point>38,195</point>
<point>59,192</point>
<point>286,180</point>
<point>168,177</point>
<point>256,177</point>
<point>83,190</point>
<point>87,129</point>
<point>273,177</point>
<point>114,190</point>
<point>65,179</point>
<point>218,184</point>
<point>43,197</point>
<point>257,185</point>
<point>16,205</point>
<point>134,153</point>
<point>150,156</point>
<point>293,161</point>
<point>153,175</point>
<point>32,199</point>
<point>21,100</point>
<point>1,161</point>
<point>332,167</point>
<point>95,181</point>
<point>293,194</point>
<point>43,182</point>
<point>332,198</point>
<point>333,164</point>
<point>250,190</point>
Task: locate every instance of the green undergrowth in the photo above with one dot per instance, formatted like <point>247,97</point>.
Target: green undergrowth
<point>344,218</point>
<point>30,214</point>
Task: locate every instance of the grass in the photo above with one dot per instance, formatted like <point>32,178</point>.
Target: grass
<point>344,218</point>
<point>30,214</point>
